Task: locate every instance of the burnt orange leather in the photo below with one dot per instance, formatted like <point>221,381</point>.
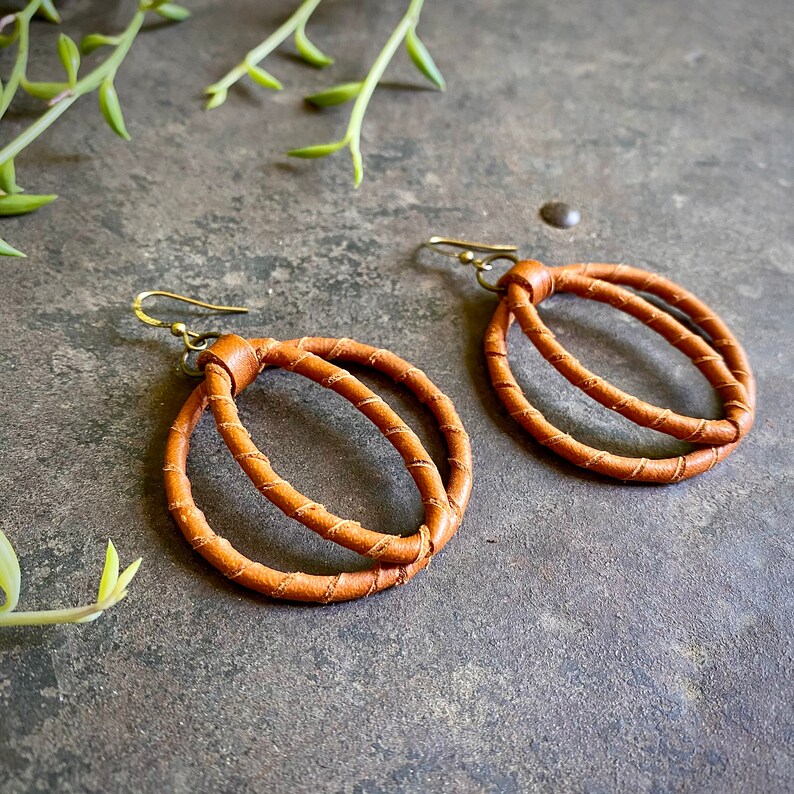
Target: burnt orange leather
<point>228,366</point>
<point>237,357</point>
<point>722,362</point>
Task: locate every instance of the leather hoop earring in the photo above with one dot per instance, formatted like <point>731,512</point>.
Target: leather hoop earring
<point>721,360</point>
<point>230,365</point>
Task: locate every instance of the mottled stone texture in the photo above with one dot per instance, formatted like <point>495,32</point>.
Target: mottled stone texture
<point>578,634</point>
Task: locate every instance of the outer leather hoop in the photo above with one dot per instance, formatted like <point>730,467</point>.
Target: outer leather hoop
<point>233,363</point>
<point>722,362</point>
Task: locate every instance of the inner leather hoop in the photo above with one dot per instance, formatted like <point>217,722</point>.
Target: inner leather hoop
<point>230,365</point>
<point>722,362</point>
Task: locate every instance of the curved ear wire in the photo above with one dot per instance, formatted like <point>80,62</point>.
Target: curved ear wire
<point>137,307</point>
<point>466,248</point>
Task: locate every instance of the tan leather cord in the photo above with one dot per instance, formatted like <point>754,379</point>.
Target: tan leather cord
<point>229,366</point>
<point>722,362</point>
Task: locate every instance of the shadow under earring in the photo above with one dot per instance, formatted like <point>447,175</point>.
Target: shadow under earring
<point>229,365</point>
<point>721,359</point>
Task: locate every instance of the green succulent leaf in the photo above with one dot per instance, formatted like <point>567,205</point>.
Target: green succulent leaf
<point>111,109</point>
<point>20,205</point>
<point>7,39</point>
<point>48,11</point>
<point>43,90</point>
<point>10,577</point>
<point>93,41</point>
<point>110,573</point>
<point>9,250</point>
<point>423,60</point>
<point>216,98</point>
<point>127,575</point>
<point>336,95</point>
<point>70,57</point>
<point>263,78</point>
<point>322,150</point>
<point>8,177</point>
<point>310,52</point>
<point>172,11</point>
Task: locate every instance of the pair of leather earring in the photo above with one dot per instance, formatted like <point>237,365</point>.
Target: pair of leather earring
<point>230,364</point>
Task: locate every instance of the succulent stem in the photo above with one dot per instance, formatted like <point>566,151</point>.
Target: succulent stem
<point>353,135</point>
<point>23,49</point>
<point>259,53</point>
<point>48,617</point>
<point>86,85</point>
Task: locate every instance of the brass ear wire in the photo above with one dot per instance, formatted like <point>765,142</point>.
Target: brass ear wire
<point>464,253</point>
<point>192,340</point>
<point>177,329</point>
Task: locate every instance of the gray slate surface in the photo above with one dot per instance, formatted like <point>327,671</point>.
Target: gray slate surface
<point>577,634</point>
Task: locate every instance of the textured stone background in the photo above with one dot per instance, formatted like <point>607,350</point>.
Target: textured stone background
<point>577,634</point>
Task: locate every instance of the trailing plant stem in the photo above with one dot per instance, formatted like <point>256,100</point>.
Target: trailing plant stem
<point>86,85</point>
<point>23,47</point>
<point>112,589</point>
<point>353,135</point>
<point>49,617</point>
<point>259,53</point>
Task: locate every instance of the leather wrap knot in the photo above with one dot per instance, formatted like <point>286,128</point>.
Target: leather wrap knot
<point>236,356</point>
<point>533,276</point>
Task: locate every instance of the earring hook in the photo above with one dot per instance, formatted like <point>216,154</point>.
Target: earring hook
<point>192,340</point>
<point>464,253</point>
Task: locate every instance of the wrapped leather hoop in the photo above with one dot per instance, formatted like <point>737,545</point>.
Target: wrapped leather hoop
<point>233,363</point>
<point>722,362</point>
